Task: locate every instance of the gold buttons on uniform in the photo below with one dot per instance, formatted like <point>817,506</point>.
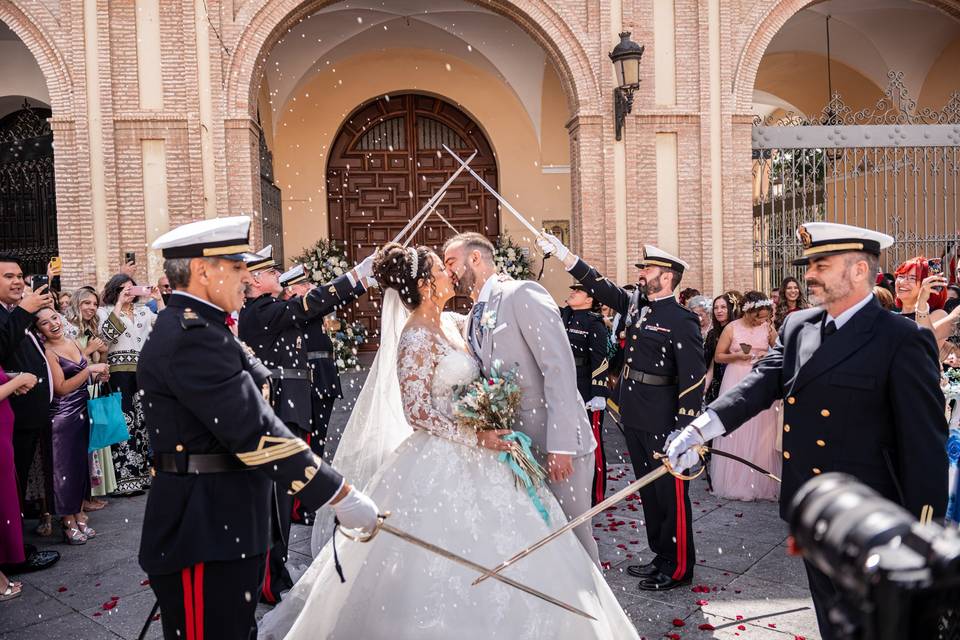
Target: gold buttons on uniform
<point>179,448</point>
<point>786,428</point>
<point>821,443</point>
<point>786,455</point>
<point>825,413</point>
<point>816,471</point>
<point>791,400</point>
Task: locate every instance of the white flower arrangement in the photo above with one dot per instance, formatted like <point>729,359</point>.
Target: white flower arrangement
<point>511,259</point>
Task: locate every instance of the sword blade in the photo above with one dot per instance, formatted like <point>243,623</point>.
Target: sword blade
<point>435,196</point>
<point>755,467</point>
<point>583,517</point>
<point>440,551</point>
<point>423,221</point>
<point>493,192</point>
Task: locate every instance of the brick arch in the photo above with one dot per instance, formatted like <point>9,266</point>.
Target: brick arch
<point>262,25</point>
<point>769,21</point>
<point>48,56</point>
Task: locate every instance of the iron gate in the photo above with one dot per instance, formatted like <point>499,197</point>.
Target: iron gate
<point>28,209</point>
<point>271,210</point>
<point>893,167</point>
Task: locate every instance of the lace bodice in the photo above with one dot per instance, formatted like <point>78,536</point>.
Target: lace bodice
<point>428,367</point>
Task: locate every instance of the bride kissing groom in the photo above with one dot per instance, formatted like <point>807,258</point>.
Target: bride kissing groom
<point>443,482</point>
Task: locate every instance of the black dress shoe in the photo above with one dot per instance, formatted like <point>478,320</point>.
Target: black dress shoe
<point>36,561</point>
<point>642,570</point>
<point>661,582</point>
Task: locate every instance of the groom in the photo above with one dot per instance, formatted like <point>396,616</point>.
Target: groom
<point>517,323</point>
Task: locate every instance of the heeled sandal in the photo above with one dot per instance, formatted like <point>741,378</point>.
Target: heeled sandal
<point>90,532</point>
<point>73,536</point>
<point>45,528</point>
<point>12,590</point>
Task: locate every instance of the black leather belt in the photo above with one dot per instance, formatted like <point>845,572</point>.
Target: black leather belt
<point>320,355</point>
<point>184,463</point>
<point>580,362</point>
<point>649,378</point>
<point>290,374</point>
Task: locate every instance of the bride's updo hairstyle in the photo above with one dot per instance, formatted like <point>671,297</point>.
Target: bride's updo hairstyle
<point>404,269</point>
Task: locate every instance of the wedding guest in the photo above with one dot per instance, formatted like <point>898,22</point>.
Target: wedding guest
<point>63,300</point>
<point>70,429</point>
<point>163,285</point>
<point>885,298</point>
<point>741,344</point>
<point>726,307</point>
<point>701,306</point>
<point>790,299</point>
<point>11,524</point>
<point>686,294</point>
<point>84,327</point>
<point>920,297</point>
<point>125,325</point>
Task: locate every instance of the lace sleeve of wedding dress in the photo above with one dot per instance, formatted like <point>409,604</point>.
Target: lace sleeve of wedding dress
<point>417,358</point>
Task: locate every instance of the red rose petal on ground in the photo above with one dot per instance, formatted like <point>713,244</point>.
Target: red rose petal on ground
<point>738,515</point>
<point>736,590</point>
<point>605,565</point>
<point>97,585</point>
<point>673,636</point>
<point>799,638</point>
<point>706,626</point>
<point>107,606</point>
<point>114,598</point>
<point>702,603</point>
<point>677,622</point>
<point>97,614</point>
<point>61,589</point>
<point>771,625</point>
<point>145,582</point>
<point>156,617</point>
<point>741,627</point>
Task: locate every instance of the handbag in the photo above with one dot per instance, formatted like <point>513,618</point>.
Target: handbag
<point>107,424</point>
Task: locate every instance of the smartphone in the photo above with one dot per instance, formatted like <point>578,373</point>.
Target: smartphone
<point>130,257</point>
<point>56,265</point>
<point>935,265</point>
<point>141,291</point>
<point>40,280</point>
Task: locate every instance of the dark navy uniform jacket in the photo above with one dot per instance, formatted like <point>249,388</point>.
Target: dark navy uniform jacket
<point>867,403</point>
<point>274,329</point>
<point>663,340</point>
<point>589,338</point>
<point>203,394</point>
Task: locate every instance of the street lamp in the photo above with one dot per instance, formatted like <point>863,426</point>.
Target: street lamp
<point>626,58</point>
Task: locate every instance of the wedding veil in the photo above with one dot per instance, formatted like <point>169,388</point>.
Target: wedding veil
<point>377,425</point>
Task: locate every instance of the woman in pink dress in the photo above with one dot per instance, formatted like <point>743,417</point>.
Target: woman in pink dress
<point>742,343</point>
<point>11,526</point>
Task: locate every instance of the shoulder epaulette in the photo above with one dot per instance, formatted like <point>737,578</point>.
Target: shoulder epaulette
<point>190,320</point>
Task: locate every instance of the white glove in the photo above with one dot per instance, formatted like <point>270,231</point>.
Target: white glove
<point>550,244</point>
<point>681,445</point>
<point>357,511</point>
<point>364,268</point>
<point>372,282</point>
<point>596,403</point>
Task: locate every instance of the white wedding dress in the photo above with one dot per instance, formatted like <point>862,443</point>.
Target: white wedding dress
<point>440,486</point>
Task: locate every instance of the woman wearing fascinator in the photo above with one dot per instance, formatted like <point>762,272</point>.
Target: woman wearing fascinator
<point>742,343</point>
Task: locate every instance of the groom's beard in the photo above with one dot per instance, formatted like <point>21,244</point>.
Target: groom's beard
<point>466,282</point>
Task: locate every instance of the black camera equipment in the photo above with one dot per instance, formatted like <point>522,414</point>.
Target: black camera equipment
<point>897,578</point>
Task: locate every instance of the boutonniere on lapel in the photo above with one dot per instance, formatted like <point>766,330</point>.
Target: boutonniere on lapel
<point>489,319</point>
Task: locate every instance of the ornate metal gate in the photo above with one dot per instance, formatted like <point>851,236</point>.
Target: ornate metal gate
<point>271,210</point>
<point>893,167</point>
<point>28,209</point>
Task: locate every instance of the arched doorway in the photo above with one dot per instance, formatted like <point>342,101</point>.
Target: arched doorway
<point>386,162</point>
<point>28,210</point>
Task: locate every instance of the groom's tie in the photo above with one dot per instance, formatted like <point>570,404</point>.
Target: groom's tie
<point>476,317</point>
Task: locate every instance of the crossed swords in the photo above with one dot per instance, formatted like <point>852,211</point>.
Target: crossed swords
<point>415,223</point>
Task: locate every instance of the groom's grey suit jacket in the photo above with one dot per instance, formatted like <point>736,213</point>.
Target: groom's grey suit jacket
<point>521,327</point>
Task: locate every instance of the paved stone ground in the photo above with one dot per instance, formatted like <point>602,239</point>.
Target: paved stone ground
<point>747,586</point>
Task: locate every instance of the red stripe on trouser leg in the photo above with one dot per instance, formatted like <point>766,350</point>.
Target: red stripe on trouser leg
<point>267,593</point>
<point>599,470</point>
<point>681,569</point>
<point>198,600</point>
<point>188,620</point>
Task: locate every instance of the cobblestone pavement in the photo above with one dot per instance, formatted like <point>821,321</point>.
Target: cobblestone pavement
<point>745,585</point>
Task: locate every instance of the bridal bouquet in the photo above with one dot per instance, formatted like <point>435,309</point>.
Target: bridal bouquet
<point>489,403</point>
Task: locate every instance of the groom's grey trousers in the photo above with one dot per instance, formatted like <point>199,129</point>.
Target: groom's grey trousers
<point>574,496</point>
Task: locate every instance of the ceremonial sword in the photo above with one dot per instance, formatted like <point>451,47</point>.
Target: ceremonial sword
<point>619,496</point>
<point>440,551</point>
<point>436,196</point>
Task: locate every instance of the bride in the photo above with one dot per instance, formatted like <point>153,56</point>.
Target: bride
<point>444,484</point>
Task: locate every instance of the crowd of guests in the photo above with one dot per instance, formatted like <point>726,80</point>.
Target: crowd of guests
<point>57,350</point>
<point>739,328</point>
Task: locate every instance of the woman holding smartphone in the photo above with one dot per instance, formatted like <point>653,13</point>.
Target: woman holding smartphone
<point>125,324</point>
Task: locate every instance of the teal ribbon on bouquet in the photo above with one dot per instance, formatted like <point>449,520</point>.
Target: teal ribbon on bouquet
<point>527,471</point>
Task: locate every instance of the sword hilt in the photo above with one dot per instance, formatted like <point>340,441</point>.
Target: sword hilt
<point>359,536</point>
<point>665,461</point>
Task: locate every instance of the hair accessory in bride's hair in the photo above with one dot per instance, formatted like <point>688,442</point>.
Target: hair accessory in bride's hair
<point>757,304</point>
<point>412,252</point>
